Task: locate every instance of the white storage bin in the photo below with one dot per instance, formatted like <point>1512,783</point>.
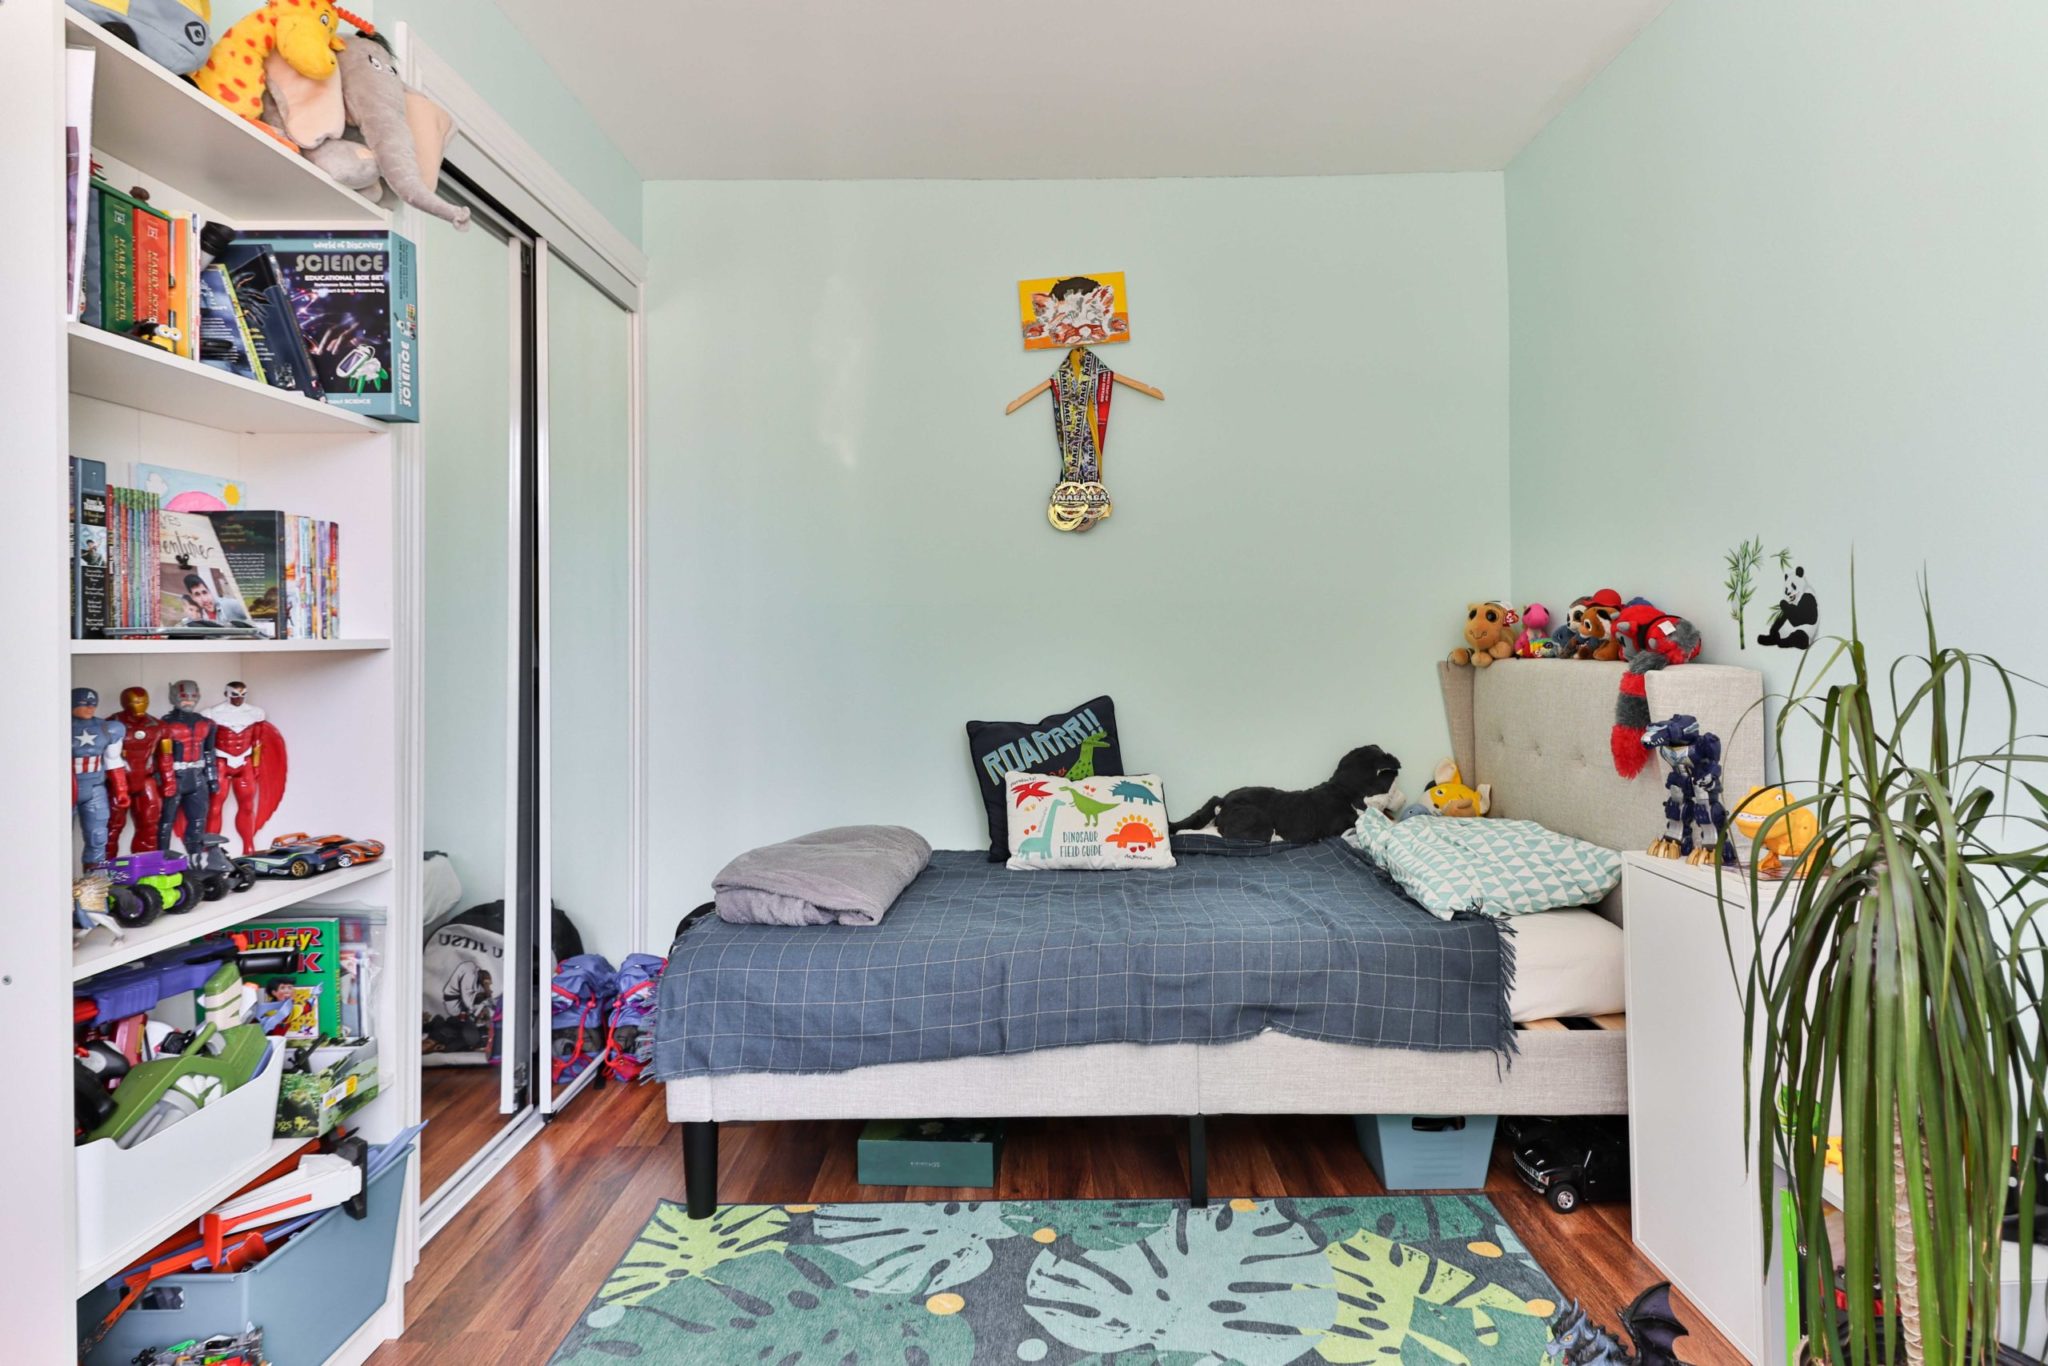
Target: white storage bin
<point>124,1195</point>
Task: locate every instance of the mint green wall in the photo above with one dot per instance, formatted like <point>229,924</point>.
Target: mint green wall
<point>494,57</point>
<point>1783,270</point>
<point>849,555</point>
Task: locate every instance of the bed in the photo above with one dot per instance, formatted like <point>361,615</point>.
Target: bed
<point>1535,731</point>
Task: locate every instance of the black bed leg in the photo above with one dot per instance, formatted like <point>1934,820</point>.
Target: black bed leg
<point>700,1167</point>
<point>1198,1163</point>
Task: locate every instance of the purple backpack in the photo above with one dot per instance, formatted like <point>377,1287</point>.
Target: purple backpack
<point>629,1042</point>
<point>583,990</point>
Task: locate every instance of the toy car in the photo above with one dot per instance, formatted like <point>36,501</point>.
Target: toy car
<point>145,886</point>
<point>1569,1161</point>
<point>218,873</point>
<point>302,855</point>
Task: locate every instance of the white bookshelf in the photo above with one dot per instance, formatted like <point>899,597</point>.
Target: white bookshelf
<point>343,705</point>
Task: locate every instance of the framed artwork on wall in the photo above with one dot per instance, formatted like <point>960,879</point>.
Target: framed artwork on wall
<point>1058,311</point>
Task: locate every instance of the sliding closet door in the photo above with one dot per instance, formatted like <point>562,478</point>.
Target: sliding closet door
<point>587,633</point>
<point>477,375</point>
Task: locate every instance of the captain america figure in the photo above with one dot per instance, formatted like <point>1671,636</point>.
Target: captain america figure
<point>188,738</point>
<point>99,782</point>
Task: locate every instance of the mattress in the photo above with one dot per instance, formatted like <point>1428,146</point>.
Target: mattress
<point>1567,963</point>
<point>976,960</point>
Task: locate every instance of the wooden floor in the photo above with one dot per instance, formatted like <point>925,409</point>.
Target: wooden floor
<point>460,1105</point>
<point>505,1279</point>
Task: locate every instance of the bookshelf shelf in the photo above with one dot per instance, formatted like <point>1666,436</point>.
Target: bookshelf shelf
<point>126,372</point>
<point>146,117</point>
<point>227,647</point>
<point>168,931</point>
<point>225,1183</point>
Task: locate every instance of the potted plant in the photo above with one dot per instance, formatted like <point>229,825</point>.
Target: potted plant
<point>1897,990</point>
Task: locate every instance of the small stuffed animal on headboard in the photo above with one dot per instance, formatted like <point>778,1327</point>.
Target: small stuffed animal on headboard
<point>1488,627</point>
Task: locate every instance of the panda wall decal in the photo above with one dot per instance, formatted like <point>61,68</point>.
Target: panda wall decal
<point>1795,619</point>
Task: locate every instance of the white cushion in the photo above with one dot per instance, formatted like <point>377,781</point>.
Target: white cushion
<point>1105,822</point>
<point>1566,963</point>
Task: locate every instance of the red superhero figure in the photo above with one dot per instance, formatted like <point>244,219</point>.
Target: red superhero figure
<point>149,775</point>
<point>188,744</point>
<point>251,755</point>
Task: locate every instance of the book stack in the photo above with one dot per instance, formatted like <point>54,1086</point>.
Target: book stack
<point>139,567</point>
<point>140,266</point>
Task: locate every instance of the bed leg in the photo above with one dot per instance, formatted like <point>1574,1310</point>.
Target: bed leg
<point>700,1167</point>
<point>1198,1163</point>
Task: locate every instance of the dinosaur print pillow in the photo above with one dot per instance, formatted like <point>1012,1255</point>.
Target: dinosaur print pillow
<point>1077,743</point>
<point>1100,823</point>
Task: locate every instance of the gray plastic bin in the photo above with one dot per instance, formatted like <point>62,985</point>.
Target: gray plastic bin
<point>309,1296</point>
<point>1428,1152</point>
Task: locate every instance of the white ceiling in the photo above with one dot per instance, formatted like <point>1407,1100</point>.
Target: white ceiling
<point>810,89</point>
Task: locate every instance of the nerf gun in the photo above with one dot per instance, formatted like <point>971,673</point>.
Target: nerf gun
<point>136,990</point>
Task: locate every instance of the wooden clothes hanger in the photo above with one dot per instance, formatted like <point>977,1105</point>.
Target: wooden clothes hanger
<point>1035,390</point>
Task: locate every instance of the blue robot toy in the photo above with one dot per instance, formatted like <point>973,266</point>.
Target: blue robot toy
<point>99,780</point>
<point>1695,821</point>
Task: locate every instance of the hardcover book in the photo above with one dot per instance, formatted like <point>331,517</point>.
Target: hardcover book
<point>313,987</point>
<point>195,583</point>
<point>88,549</point>
<point>267,310</point>
<point>255,547</point>
<point>224,339</point>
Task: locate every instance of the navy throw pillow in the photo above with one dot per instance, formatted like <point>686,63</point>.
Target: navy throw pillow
<point>1086,733</point>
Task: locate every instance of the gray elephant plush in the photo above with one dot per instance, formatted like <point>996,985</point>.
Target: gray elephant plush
<point>363,124</point>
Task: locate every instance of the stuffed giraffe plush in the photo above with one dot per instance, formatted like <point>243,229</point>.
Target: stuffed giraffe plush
<point>306,33</point>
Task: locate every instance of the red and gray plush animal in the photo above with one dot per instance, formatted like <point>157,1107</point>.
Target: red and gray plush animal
<point>1649,640</point>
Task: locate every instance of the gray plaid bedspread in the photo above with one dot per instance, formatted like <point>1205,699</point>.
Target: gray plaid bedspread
<point>975,959</point>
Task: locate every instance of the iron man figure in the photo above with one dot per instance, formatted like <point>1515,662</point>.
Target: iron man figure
<point>187,746</point>
<point>250,756</point>
<point>150,779</point>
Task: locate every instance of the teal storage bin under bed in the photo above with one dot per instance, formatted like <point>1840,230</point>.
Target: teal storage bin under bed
<point>1428,1152</point>
<point>309,1297</point>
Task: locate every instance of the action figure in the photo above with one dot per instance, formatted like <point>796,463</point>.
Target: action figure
<point>250,755</point>
<point>188,744</point>
<point>149,775</point>
<point>98,782</point>
<point>1695,822</point>
<point>1575,1340</point>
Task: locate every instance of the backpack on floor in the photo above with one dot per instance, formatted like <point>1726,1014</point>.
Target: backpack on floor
<point>629,1040</point>
<point>583,991</point>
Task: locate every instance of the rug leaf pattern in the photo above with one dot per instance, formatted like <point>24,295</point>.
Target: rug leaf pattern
<point>1431,1280</point>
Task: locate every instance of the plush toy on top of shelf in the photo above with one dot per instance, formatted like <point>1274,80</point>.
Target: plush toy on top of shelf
<point>306,35</point>
<point>366,124</point>
<point>172,33</point>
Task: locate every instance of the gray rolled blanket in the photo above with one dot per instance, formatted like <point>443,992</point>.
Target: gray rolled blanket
<point>849,875</point>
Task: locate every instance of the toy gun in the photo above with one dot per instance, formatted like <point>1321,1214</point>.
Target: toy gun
<point>137,989</point>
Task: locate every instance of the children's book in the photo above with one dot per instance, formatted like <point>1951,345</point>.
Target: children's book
<point>79,64</point>
<point>225,341</point>
<point>313,987</point>
<point>196,585</point>
<point>267,309</point>
<point>89,549</point>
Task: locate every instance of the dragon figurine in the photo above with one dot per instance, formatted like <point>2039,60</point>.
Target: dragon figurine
<point>1576,1340</point>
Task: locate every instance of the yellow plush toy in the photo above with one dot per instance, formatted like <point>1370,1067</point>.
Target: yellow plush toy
<point>1451,797</point>
<point>1790,838</point>
<point>306,33</point>
<point>1489,634</point>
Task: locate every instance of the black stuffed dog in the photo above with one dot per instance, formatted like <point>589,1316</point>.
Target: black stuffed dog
<point>1314,813</point>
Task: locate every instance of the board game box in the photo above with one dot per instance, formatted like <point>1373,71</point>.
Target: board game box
<point>356,297</point>
<point>314,986</point>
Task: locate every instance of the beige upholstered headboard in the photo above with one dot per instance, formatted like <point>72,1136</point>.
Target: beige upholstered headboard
<point>1537,730</point>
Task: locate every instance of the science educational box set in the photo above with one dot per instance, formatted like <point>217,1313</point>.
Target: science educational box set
<point>356,299</point>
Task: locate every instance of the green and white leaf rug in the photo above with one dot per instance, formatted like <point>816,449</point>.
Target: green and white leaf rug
<point>1412,1279</point>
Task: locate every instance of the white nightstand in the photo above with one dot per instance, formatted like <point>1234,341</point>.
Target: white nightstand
<point>1693,1191</point>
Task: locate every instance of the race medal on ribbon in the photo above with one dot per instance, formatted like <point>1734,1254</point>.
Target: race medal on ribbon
<point>1081,391</point>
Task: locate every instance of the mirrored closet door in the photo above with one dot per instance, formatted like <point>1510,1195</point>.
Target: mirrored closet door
<point>478,355</point>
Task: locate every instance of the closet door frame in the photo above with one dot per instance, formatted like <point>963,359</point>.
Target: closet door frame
<point>564,224</point>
